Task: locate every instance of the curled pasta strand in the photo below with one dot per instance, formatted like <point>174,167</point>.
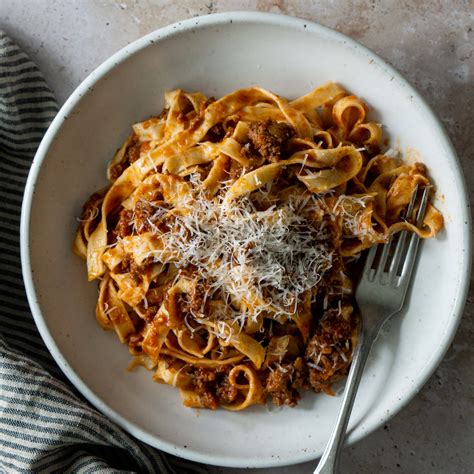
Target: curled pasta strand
<point>252,391</point>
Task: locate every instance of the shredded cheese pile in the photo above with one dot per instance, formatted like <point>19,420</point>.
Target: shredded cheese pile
<point>276,254</point>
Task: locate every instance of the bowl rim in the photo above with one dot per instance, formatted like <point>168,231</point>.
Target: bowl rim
<point>87,84</point>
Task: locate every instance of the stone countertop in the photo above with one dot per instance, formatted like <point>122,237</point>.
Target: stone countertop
<point>429,42</point>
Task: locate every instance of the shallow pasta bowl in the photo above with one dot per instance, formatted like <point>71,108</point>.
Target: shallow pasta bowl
<point>217,54</point>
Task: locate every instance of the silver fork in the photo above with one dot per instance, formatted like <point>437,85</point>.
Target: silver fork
<point>380,294</point>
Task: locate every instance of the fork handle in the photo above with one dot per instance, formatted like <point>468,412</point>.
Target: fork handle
<point>330,458</point>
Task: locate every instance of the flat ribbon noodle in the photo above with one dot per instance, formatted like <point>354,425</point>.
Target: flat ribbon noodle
<point>111,312</point>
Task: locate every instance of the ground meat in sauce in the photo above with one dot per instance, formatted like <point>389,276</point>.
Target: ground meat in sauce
<point>209,400</point>
<point>332,337</point>
<point>204,386</point>
<point>332,329</point>
<point>213,387</point>
<point>279,388</point>
<point>225,391</point>
<point>147,220</point>
<point>319,384</point>
<point>133,151</point>
<point>117,170</point>
<point>143,212</point>
<point>197,299</point>
<point>269,138</point>
<point>128,265</point>
<point>136,272</point>
<point>283,382</point>
<point>124,225</point>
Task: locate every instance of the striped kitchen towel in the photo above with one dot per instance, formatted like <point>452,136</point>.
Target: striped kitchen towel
<point>45,426</point>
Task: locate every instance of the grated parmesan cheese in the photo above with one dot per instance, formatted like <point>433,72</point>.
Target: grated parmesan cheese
<point>257,261</point>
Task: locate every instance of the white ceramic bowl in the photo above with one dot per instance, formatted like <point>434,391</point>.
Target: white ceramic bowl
<point>216,54</point>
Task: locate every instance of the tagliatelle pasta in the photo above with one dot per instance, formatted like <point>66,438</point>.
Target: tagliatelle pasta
<point>226,241</point>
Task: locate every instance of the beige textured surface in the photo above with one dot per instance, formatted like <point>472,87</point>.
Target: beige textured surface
<point>432,44</point>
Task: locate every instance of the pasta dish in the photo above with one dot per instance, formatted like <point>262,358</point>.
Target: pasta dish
<point>226,243</point>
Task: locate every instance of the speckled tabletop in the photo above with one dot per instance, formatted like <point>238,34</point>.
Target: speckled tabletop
<point>432,44</point>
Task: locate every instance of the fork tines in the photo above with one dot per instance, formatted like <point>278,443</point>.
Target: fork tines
<point>393,262</point>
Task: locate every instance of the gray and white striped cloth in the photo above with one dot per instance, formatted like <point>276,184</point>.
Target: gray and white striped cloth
<point>45,426</point>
